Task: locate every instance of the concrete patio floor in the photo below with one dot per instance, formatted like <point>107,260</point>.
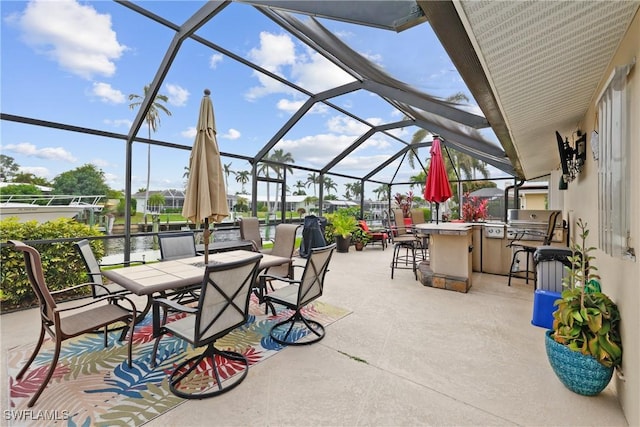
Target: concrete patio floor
<point>406,355</point>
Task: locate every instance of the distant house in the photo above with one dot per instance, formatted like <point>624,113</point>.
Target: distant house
<point>173,199</point>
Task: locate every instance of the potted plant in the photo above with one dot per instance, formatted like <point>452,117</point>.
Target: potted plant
<point>344,224</point>
<point>405,202</point>
<point>360,238</point>
<point>474,209</point>
<point>584,346</point>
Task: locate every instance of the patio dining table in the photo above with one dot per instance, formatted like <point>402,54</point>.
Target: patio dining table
<point>158,278</point>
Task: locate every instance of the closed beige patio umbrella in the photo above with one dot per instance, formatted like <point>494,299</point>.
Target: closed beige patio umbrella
<point>206,197</point>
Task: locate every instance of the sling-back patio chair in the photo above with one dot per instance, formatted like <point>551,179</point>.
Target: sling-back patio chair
<point>284,244</point>
<point>296,295</point>
<point>222,307</point>
<point>64,323</point>
<point>250,230</point>
<point>176,245</point>
<point>94,272</point>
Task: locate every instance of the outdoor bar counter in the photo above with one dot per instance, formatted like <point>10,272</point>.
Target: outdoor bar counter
<point>450,256</point>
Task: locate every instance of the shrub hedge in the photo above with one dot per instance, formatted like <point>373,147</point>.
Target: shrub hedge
<point>61,263</point>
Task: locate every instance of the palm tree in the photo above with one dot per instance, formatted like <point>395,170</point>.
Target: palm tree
<point>312,180</point>
<point>382,191</point>
<point>300,186</point>
<point>329,184</point>
<point>243,177</point>
<point>227,172</point>
<point>264,168</point>
<point>421,134</point>
<point>353,190</point>
<point>419,180</point>
<point>153,121</point>
<point>281,157</point>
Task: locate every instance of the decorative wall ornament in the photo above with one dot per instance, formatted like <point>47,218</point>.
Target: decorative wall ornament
<point>572,156</point>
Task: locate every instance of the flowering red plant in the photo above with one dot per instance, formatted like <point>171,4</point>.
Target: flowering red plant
<point>404,202</point>
<point>474,208</point>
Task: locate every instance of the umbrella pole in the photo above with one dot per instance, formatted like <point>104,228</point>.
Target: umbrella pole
<point>206,240</point>
<point>437,212</point>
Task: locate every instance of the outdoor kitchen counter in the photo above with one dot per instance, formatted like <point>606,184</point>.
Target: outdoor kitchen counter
<point>450,255</point>
<point>448,228</point>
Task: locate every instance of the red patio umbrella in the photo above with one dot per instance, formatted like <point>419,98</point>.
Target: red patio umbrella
<point>437,188</point>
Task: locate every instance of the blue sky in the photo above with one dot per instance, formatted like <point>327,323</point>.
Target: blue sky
<point>77,62</point>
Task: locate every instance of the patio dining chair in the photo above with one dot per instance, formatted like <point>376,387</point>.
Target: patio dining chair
<point>284,244</point>
<point>64,323</point>
<point>94,272</point>
<point>174,245</point>
<point>222,307</point>
<point>296,295</point>
<point>250,230</point>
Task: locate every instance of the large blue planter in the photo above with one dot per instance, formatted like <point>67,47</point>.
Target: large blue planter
<point>580,373</point>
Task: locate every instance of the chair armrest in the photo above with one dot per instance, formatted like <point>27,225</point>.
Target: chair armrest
<point>75,287</point>
<point>125,264</point>
<point>171,304</point>
<point>158,324</point>
<point>274,277</point>
<point>109,298</point>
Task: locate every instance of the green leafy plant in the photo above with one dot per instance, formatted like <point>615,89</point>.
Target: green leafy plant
<point>360,236</point>
<point>60,261</point>
<point>586,319</point>
<point>344,224</point>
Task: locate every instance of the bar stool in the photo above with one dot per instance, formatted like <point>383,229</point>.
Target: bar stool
<point>402,240</point>
<point>529,250</point>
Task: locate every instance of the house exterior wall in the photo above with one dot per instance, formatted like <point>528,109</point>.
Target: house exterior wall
<point>533,201</point>
<point>620,278</point>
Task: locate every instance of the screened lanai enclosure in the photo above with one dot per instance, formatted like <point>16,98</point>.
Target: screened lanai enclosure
<point>301,92</point>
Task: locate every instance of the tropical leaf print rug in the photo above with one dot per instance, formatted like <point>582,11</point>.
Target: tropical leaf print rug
<point>93,385</point>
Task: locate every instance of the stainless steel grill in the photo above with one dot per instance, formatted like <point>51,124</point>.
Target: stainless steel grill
<point>529,224</point>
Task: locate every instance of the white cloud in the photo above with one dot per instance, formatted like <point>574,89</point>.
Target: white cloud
<point>231,134</point>
<point>316,73</point>
<point>309,70</point>
<point>190,132</point>
<point>37,171</point>
<point>346,125</point>
<point>289,106</point>
<point>112,180</point>
<point>178,96</point>
<point>126,123</point>
<point>318,150</point>
<point>107,94</point>
<point>48,153</point>
<point>75,36</point>
<point>274,53</point>
<point>101,163</point>
<point>215,59</point>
